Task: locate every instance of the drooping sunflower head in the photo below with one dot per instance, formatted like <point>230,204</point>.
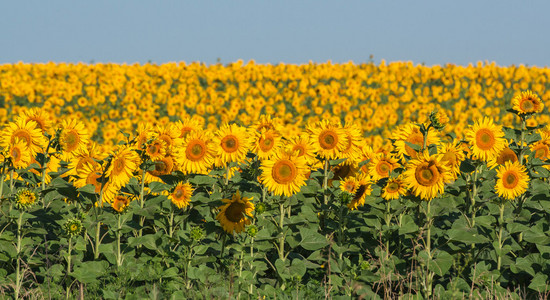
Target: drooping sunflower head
<point>120,203</point>
<point>426,176</point>
<point>394,188</point>
<point>181,194</point>
<point>196,153</point>
<point>25,198</point>
<point>504,155</point>
<point>485,138</point>
<point>512,180</point>
<point>527,103</point>
<point>232,143</point>
<point>329,139</point>
<point>235,213</point>
<point>284,173</point>
<point>364,189</point>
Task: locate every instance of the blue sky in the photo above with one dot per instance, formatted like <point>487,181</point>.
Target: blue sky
<point>430,32</point>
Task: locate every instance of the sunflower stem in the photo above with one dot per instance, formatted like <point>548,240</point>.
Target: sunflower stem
<point>97,239</point>
<point>522,139</point>
<point>69,252</point>
<point>223,244</point>
<point>171,222</point>
<point>325,182</point>
<point>251,260</point>
<point>118,249</point>
<point>2,185</point>
<point>429,274</point>
<point>141,203</point>
<point>500,231</point>
<point>227,174</point>
<point>281,224</point>
<point>387,218</point>
<point>18,277</point>
<point>11,182</point>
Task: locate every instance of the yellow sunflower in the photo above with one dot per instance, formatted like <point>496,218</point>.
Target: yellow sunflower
<point>235,213</point>
<point>381,165</point>
<point>266,143</point>
<point>284,173</point>
<point>181,194</point>
<point>27,131</point>
<point>169,133</point>
<point>120,203</point>
<point>196,154</point>
<point>394,188</point>
<point>40,117</point>
<point>232,143</point>
<point>156,149</point>
<point>349,185</point>
<point>363,190</point>
<point>505,155</point>
<point>452,156</point>
<point>527,103</point>
<point>88,174</point>
<point>19,154</point>
<point>144,133</point>
<point>265,122</point>
<point>82,157</point>
<point>73,138</point>
<point>329,139</point>
<point>486,139</point>
<point>354,145</point>
<point>302,146</point>
<point>186,126</point>
<point>426,176</point>
<point>410,133</point>
<point>541,148</point>
<point>512,180</point>
<point>124,163</point>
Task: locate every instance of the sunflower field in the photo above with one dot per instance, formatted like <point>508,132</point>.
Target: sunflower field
<point>249,181</point>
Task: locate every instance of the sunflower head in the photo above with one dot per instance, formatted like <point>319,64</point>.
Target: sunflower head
<point>438,119</point>
<point>236,213</point>
<point>527,103</point>
<point>25,198</point>
<point>120,203</point>
<point>363,189</point>
<point>394,188</point>
<point>156,149</point>
<point>486,139</point>
<point>512,180</point>
<point>426,176</point>
<point>73,227</point>
<point>181,194</point>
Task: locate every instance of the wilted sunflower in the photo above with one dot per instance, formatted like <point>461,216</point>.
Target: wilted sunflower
<point>19,154</point>
<point>426,176</point>
<point>181,195</point>
<point>505,155</point>
<point>235,213</point>
<point>486,139</point>
<point>25,198</point>
<point>328,139</point>
<point>381,165</point>
<point>74,137</point>
<point>410,133</point>
<point>284,173</point>
<point>232,143</point>
<point>363,190</point>
<point>512,180</point>
<point>120,203</point>
<point>124,163</point>
<point>266,143</point>
<point>196,154</point>
<point>527,103</point>
<point>27,131</point>
<point>394,188</point>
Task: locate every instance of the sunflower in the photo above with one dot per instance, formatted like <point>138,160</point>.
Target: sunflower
<point>19,154</point>
<point>410,134</point>
<point>27,131</point>
<point>168,133</point>
<point>505,155</point>
<point>186,126</point>
<point>426,175</point>
<point>120,203</point>
<point>302,146</point>
<point>90,155</point>
<point>284,174</point>
<point>181,194</point>
<point>367,153</point>
<point>512,180</point>
<point>541,148</point>
<point>40,117</point>
<point>74,137</point>
<point>232,143</point>
<point>349,185</point>
<point>329,139</point>
<point>25,198</point>
<point>381,165</point>
<point>527,103</point>
<point>394,188</point>
<point>144,133</point>
<point>124,163</point>
<point>89,174</point>
<point>156,149</point>
<point>265,122</point>
<point>486,139</point>
<point>196,154</point>
<point>266,143</point>
<point>235,213</point>
<point>354,145</point>
<point>452,156</point>
<point>363,190</point>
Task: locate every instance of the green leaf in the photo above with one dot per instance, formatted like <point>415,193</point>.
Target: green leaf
<point>466,235</point>
<point>312,240</point>
<point>540,283</point>
<point>441,263</point>
<point>203,179</point>
<point>89,271</point>
<point>297,268</point>
<point>407,225</point>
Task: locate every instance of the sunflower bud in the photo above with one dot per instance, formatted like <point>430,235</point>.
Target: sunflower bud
<point>196,234</point>
<point>438,119</point>
<point>252,230</point>
<point>73,227</point>
<point>260,208</point>
<point>25,198</point>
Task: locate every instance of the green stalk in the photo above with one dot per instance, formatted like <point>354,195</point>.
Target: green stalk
<point>522,139</point>
<point>118,249</point>
<point>251,260</point>
<point>501,226</point>
<point>98,226</point>
<point>325,182</point>
<point>18,277</point>
<point>227,174</point>
<point>429,274</point>
<point>387,218</point>
<point>2,186</point>
<point>171,222</point>
<point>281,224</point>
<point>69,265</point>
<point>142,203</point>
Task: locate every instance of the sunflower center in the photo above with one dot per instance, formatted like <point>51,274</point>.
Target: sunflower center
<point>527,105</point>
<point>70,140</point>
<point>178,194</point>
<point>510,180</point>
<point>196,150</point>
<point>506,155</point>
<point>284,171</point>
<point>118,166</point>
<point>415,138</point>
<point>74,227</point>
<point>541,151</point>
<point>23,134</point>
<point>392,187</point>
<point>230,143</point>
<point>383,168</point>
<point>300,149</point>
<point>427,174</point>
<point>349,186</point>
<point>328,139</point>
<point>485,139</point>
<point>153,149</point>
<point>235,212</point>
<point>266,143</point>
<point>15,154</point>
<point>450,158</point>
